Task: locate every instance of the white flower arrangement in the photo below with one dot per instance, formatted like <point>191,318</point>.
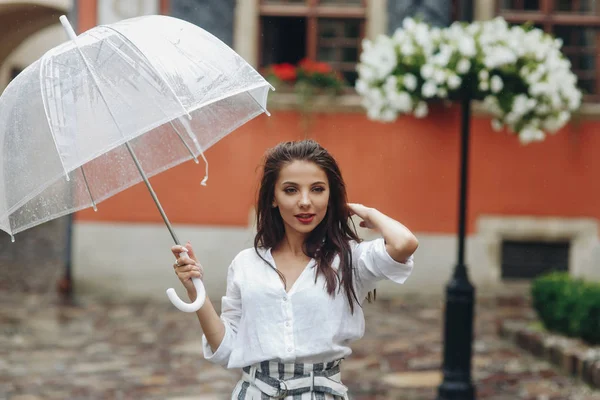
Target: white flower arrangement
<point>518,72</point>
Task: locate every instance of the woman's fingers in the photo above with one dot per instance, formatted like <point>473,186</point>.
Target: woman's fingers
<point>186,271</point>
<point>351,207</point>
<point>350,210</point>
<point>177,249</point>
<point>181,262</point>
<point>357,209</point>
<point>190,251</point>
<point>185,260</point>
<point>189,275</point>
<point>187,268</point>
<point>182,257</point>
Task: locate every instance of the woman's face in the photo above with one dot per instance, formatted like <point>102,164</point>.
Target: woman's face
<point>302,196</point>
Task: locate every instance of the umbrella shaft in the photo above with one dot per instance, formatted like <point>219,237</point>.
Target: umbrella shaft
<point>154,197</point>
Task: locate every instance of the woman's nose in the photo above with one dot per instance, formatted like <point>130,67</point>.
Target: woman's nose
<point>304,200</point>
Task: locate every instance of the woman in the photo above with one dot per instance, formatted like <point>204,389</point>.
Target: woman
<point>293,302</point>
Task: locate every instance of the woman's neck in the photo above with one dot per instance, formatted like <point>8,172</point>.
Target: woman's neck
<point>293,244</point>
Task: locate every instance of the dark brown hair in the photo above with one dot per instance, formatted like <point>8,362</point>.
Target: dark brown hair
<point>331,237</point>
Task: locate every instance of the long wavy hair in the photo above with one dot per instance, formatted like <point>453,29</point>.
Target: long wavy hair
<point>331,237</point>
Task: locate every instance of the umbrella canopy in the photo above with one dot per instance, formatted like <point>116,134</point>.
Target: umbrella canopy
<point>65,118</point>
<point>113,106</point>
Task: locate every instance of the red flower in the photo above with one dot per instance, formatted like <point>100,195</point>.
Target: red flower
<point>307,73</point>
<point>314,66</point>
<point>285,72</point>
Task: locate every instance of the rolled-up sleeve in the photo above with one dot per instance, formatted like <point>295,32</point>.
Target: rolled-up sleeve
<point>231,311</point>
<point>372,263</point>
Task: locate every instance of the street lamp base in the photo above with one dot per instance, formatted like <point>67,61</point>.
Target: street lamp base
<point>456,391</point>
<point>458,338</point>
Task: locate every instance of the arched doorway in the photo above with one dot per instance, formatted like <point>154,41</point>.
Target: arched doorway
<point>19,22</point>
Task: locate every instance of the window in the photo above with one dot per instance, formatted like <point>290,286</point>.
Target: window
<point>576,22</point>
<point>323,30</point>
<point>528,260</point>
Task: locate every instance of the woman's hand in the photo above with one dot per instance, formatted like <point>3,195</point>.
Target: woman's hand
<point>400,243</point>
<point>187,267</point>
<point>363,213</point>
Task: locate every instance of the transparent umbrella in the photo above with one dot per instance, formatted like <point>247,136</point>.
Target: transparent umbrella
<point>111,108</point>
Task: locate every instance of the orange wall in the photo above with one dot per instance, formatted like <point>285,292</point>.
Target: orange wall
<point>408,169</point>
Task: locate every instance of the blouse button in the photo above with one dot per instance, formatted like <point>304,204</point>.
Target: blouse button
<point>289,349</point>
<point>287,324</point>
<point>284,298</point>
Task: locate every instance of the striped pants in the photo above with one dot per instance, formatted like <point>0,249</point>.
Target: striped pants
<point>272,380</point>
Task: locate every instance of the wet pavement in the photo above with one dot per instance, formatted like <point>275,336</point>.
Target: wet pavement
<point>104,350</point>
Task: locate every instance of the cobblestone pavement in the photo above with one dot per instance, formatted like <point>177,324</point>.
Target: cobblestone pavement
<point>99,350</point>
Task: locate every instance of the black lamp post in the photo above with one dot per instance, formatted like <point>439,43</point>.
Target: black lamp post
<point>460,294</point>
<point>64,285</point>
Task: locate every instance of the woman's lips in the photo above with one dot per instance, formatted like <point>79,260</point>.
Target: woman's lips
<point>305,218</point>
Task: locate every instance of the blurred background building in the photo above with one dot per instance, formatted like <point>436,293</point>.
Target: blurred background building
<point>531,208</point>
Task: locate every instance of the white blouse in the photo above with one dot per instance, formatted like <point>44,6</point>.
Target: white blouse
<point>305,325</point>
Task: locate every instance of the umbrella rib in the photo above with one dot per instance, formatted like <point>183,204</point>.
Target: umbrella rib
<point>43,62</point>
<point>99,51</point>
<point>183,141</point>
<point>260,105</point>
<point>188,129</point>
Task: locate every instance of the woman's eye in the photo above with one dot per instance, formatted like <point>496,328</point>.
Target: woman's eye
<point>289,190</point>
<point>319,189</point>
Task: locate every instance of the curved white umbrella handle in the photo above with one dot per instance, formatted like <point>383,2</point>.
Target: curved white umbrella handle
<point>200,294</point>
<point>189,307</point>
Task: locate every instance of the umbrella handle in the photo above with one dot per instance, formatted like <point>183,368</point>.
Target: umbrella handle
<point>200,294</point>
<point>189,307</point>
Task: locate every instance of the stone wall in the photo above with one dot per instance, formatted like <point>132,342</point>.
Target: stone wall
<point>37,258</point>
